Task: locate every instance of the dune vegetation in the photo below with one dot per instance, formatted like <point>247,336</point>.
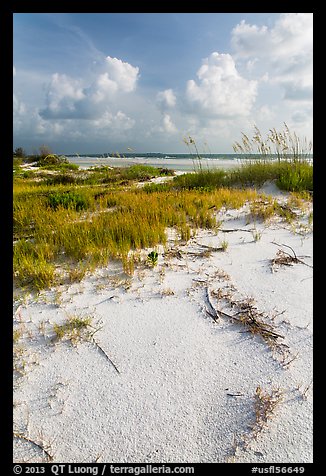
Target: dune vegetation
<point>68,221</point>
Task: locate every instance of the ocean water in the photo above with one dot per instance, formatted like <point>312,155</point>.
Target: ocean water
<point>181,162</point>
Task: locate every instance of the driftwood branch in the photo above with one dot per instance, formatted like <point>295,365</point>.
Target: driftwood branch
<point>211,311</point>
<point>209,248</point>
<point>231,230</point>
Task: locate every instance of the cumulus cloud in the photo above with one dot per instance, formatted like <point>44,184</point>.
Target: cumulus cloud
<point>284,50</point>
<point>63,96</point>
<point>166,99</point>
<point>68,98</point>
<point>103,88</point>
<point>291,34</point>
<point>221,91</point>
<point>266,79</point>
<point>123,74</point>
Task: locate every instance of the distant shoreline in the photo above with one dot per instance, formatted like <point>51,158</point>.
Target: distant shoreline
<point>176,164</point>
<point>180,164</point>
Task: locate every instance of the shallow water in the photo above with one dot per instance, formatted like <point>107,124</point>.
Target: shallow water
<point>181,164</point>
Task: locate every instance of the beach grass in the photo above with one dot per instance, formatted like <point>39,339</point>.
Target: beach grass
<point>291,170</point>
<point>67,222</point>
<point>58,228</point>
<point>289,176</point>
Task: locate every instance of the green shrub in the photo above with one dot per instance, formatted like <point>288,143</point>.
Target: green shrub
<point>63,179</point>
<point>28,174</point>
<point>164,172</point>
<point>139,172</point>
<point>72,200</point>
<point>51,159</point>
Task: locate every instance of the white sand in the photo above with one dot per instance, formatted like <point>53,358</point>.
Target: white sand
<point>170,401</point>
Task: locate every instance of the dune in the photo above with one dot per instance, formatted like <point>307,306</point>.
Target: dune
<point>205,357</point>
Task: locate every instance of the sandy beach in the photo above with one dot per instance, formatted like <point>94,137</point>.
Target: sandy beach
<point>173,372</point>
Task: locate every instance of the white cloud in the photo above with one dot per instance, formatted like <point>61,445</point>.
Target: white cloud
<point>63,95</point>
<point>104,88</point>
<point>265,114</point>
<point>13,71</point>
<point>291,35</point>
<point>18,107</point>
<point>221,91</point>
<point>284,51</point>
<point>113,122</point>
<point>266,79</point>
<point>162,128</point>
<point>249,40</point>
<point>123,74</point>
<point>166,99</point>
<point>68,98</point>
<point>168,125</point>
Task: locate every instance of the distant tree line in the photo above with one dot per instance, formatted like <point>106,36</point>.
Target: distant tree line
<point>45,156</point>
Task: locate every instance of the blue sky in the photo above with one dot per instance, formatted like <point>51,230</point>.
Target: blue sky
<point>94,83</point>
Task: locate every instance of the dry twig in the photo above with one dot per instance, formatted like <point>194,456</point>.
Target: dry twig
<point>283,258</point>
<point>246,314</point>
<point>105,354</point>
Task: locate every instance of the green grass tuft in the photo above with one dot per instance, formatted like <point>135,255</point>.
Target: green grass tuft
<point>74,200</point>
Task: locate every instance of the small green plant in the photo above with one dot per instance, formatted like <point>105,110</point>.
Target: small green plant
<point>256,235</point>
<point>128,264</point>
<point>76,274</point>
<point>33,270</point>
<point>310,218</point>
<point>224,245</point>
<point>152,258</point>
<point>74,329</point>
<point>17,335</point>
